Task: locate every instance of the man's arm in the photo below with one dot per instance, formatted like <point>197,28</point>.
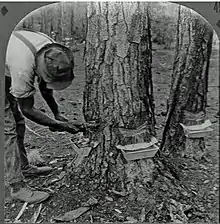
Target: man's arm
<point>27,108</point>
<point>47,94</point>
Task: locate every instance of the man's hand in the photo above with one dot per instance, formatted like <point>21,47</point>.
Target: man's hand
<point>90,127</point>
<point>71,128</point>
<point>66,126</point>
<point>60,117</point>
<point>74,127</point>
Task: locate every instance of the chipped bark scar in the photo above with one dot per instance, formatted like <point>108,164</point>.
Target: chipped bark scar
<point>133,132</point>
<point>129,136</point>
<point>197,131</point>
<point>194,119</point>
<point>195,125</point>
<point>4,10</point>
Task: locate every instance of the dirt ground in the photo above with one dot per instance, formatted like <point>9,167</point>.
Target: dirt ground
<point>194,199</point>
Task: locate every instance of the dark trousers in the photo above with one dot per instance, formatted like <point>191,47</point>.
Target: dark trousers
<point>19,120</point>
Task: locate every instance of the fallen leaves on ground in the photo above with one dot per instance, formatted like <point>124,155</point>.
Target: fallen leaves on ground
<point>36,214</point>
<point>71,215</point>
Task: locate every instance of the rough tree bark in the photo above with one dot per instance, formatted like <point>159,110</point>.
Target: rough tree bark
<point>189,82</point>
<point>118,92</point>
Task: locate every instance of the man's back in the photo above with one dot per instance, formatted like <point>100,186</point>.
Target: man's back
<point>17,51</point>
<point>20,61</point>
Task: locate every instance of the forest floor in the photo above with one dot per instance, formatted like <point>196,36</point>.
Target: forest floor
<point>194,199</point>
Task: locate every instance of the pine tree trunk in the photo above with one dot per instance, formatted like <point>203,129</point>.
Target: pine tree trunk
<point>42,27</point>
<point>72,21</point>
<point>58,21</point>
<point>118,92</point>
<point>188,93</point>
<point>63,25</point>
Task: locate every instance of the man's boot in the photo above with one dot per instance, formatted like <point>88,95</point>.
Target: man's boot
<point>21,192</point>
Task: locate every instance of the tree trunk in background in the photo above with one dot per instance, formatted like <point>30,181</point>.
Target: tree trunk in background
<point>64,19</point>
<point>118,92</point>
<point>42,25</point>
<point>44,20</point>
<point>208,55</point>
<point>57,20</point>
<point>72,22</point>
<point>189,82</point>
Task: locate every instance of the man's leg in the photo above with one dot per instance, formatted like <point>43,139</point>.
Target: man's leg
<point>12,162</point>
<point>12,158</point>
<point>27,169</point>
<point>20,129</point>
<point>20,123</point>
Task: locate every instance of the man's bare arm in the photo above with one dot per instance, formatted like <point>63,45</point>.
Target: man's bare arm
<point>47,94</point>
<point>30,112</point>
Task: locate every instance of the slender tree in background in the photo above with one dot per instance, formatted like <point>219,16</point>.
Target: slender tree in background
<point>58,21</point>
<point>188,95</point>
<point>64,19</point>
<point>209,52</point>
<point>72,22</point>
<point>118,91</point>
<point>43,21</point>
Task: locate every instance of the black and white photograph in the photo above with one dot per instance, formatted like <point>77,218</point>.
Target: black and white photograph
<point>111,114</point>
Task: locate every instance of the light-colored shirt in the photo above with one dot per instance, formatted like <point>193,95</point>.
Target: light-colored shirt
<point>20,62</point>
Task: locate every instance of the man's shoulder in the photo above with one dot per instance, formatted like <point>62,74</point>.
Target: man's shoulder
<point>37,39</point>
